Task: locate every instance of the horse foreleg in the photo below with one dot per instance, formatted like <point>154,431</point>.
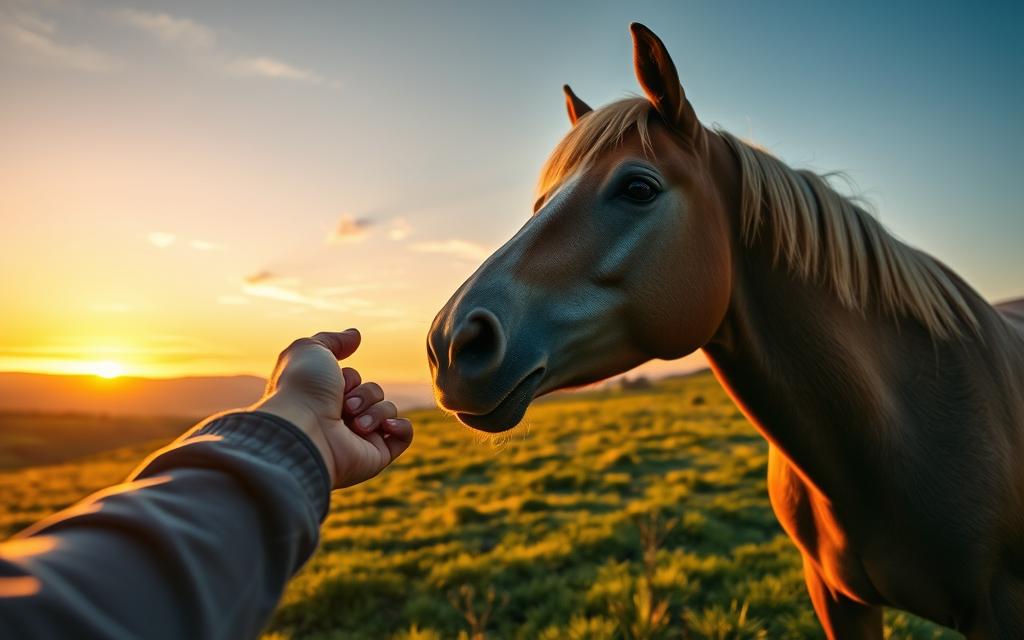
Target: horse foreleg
<point>841,617</point>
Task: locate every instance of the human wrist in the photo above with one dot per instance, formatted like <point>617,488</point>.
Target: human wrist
<point>282,405</point>
<point>268,437</point>
<point>292,410</point>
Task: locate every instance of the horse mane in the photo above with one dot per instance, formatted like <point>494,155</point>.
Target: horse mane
<point>820,234</point>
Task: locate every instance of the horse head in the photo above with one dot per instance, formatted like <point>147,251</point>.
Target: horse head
<point>626,258</point>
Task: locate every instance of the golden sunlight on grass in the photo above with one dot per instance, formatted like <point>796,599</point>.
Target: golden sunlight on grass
<point>609,515</point>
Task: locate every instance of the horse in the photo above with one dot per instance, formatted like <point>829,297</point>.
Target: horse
<point>889,391</point>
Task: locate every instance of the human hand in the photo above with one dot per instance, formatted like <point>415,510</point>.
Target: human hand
<point>356,430</point>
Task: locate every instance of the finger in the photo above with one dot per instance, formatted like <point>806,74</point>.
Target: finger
<point>361,397</point>
<point>370,419</point>
<point>341,343</point>
<point>399,435</point>
<point>352,379</point>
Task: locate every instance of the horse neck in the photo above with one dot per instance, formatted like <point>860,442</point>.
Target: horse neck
<point>793,358</point>
<point>826,383</point>
<point>818,379</point>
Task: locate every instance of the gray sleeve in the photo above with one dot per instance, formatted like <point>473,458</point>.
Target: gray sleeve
<point>199,542</point>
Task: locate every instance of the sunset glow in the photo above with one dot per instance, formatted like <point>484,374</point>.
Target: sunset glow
<point>107,369</point>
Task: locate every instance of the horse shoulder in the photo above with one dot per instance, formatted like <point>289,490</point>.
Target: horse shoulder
<point>808,518</point>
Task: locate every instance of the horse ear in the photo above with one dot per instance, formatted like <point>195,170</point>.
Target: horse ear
<point>576,107</point>
<point>660,81</point>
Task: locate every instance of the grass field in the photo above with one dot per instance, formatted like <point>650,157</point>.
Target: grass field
<point>639,514</point>
<point>28,439</point>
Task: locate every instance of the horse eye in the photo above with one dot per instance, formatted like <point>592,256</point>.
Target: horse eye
<point>640,190</point>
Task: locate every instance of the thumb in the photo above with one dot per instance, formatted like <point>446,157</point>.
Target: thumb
<point>341,343</point>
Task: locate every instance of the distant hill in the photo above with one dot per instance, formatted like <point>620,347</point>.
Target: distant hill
<point>192,396</point>
<point>195,396</point>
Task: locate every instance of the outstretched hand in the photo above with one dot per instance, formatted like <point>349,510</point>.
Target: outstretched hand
<point>356,430</point>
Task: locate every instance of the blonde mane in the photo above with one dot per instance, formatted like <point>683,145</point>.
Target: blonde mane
<point>820,234</point>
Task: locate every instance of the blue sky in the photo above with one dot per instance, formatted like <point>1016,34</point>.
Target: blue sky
<point>250,135</point>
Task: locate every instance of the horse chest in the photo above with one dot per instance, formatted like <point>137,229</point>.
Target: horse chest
<point>878,565</point>
<point>810,521</point>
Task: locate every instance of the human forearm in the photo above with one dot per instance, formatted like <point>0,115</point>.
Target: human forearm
<point>199,543</point>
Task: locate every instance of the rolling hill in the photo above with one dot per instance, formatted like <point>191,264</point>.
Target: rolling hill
<point>191,396</point>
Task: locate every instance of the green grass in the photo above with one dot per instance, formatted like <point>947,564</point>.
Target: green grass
<point>639,514</point>
<point>28,438</point>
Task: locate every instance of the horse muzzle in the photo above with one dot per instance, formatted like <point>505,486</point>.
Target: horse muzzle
<point>486,382</point>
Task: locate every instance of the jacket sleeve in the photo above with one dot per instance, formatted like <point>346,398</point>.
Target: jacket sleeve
<point>199,542</point>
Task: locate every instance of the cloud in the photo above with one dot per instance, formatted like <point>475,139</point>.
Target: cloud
<point>200,42</point>
<point>180,32</point>
<point>271,68</point>
<point>38,38</point>
<point>454,247</point>
<point>161,239</point>
<point>260,276</point>
<point>282,293</point>
<point>349,230</point>
<point>268,285</point>
<point>399,229</point>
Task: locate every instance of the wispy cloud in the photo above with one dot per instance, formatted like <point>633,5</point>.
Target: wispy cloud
<point>399,229</point>
<point>180,32</point>
<point>454,247</point>
<point>260,277</point>
<point>271,68</point>
<point>200,42</point>
<point>282,293</point>
<point>161,239</point>
<point>297,294</point>
<point>39,39</point>
<point>350,229</point>
<point>165,239</point>
<point>271,286</point>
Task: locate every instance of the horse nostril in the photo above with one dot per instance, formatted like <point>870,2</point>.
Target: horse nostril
<point>479,343</point>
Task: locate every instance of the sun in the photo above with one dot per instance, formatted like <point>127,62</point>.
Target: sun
<point>107,369</point>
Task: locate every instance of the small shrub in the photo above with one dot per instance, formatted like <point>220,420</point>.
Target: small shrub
<point>717,623</point>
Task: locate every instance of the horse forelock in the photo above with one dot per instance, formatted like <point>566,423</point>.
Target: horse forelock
<point>595,133</point>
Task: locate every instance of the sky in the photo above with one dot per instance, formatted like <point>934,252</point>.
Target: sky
<point>185,187</point>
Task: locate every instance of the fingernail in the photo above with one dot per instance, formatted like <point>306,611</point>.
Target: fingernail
<point>353,403</point>
<point>364,421</point>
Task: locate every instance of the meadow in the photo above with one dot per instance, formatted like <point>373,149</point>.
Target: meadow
<point>33,438</point>
<point>632,514</point>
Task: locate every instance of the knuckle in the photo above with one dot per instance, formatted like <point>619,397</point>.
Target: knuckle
<point>298,344</point>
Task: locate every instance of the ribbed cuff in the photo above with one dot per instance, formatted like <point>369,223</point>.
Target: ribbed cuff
<point>277,441</point>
